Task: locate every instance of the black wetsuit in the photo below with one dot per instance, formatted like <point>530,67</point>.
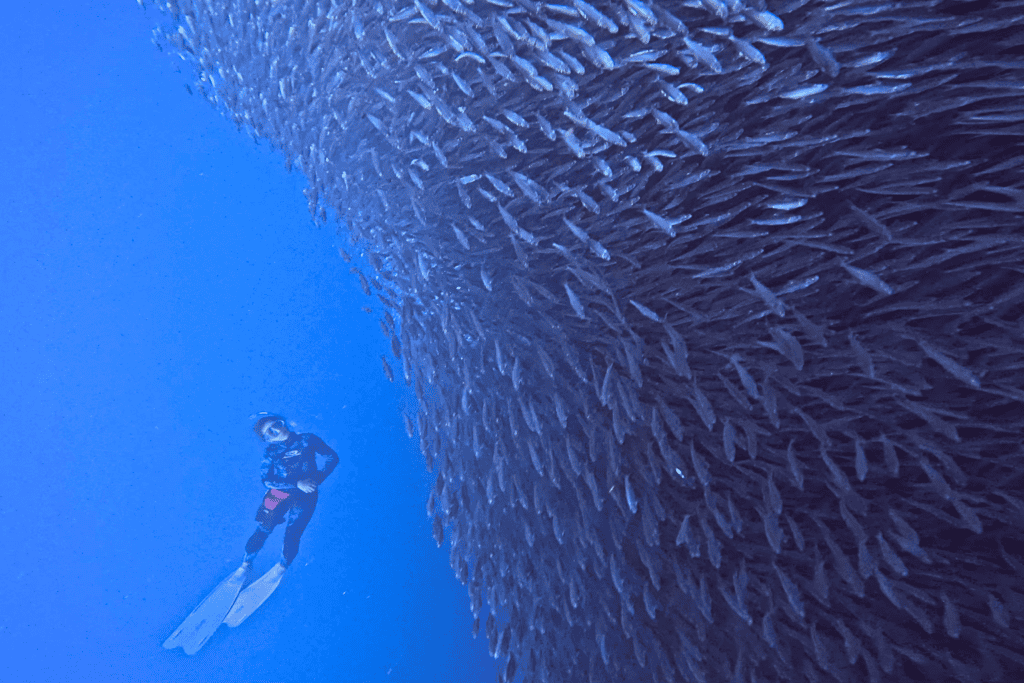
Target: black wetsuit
<point>285,464</point>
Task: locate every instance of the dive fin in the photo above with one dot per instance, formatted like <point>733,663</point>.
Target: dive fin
<point>204,619</point>
<point>254,595</point>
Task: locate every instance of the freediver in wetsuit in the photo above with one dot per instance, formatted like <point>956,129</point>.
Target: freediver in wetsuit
<point>290,473</point>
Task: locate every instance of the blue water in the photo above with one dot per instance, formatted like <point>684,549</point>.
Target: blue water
<point>161,281</point>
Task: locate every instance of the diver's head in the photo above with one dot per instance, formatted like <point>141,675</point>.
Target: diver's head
<point>272,428</point>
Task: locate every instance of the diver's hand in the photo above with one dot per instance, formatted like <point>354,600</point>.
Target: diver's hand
<point>307,486</point>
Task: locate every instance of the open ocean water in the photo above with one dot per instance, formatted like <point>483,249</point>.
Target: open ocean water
<point>162,280</point>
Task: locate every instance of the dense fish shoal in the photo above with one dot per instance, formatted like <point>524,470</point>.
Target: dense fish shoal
<point>714,311</point>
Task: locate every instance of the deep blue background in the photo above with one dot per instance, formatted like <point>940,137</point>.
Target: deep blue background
<point>161,280</point>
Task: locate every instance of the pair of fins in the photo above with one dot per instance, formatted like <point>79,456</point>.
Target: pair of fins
<point>227,604</point>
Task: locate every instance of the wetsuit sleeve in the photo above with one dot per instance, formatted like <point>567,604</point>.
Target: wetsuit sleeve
<point>323,449</point>
<point>269,480</point>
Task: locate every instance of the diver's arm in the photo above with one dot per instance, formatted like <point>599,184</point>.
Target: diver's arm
<point>331,458</point>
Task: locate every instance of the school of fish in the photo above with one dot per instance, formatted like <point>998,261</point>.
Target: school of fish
<point>714,310</point>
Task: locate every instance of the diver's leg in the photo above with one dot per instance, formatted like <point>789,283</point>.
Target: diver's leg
<point>255,542</point>
<point>298,517</point>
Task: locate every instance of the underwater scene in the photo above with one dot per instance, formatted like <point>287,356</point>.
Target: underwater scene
<point>694,327</point>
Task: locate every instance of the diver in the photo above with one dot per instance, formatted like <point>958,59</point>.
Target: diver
<point>292,477</point>
<point>290,473</point>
